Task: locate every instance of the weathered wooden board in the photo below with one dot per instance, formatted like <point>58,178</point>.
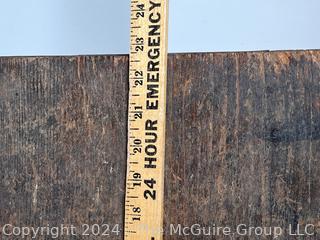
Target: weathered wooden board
<point>243,141</point>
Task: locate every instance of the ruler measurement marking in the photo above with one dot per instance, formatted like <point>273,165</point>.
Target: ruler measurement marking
<point>136,180</point>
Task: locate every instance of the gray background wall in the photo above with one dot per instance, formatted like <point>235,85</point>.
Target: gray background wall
<point>63,27</point>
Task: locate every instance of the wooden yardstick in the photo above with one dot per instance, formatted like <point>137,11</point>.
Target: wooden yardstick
<point>146,120</point>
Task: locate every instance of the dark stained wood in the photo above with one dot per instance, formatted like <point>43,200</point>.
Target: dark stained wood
<point>63,140</point>
<point>243,140</point>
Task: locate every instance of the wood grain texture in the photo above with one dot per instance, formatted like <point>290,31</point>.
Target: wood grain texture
<point>243,140</point>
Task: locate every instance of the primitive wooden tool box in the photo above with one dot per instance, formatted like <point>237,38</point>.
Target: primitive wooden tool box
<point>243,139</point>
